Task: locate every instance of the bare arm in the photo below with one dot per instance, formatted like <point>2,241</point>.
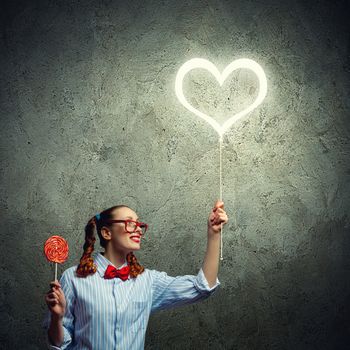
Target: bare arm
<point>55,331</point>
<point>211,259</point>
<point>56,302</point>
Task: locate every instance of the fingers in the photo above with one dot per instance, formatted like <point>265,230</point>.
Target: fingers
<point>51,301</point>
<point>55,283</point>
<point>55,297</point>
<point>219,204</point>
<point>217,212</point>
<point>219,218</point>
<point>54,294</point>
<point>55,286</point>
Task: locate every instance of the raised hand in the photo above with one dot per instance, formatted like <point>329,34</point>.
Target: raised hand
<point>216,217</point>
<point>55,299</point>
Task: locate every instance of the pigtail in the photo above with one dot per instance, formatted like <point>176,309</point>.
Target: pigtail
<point>86,266</point>
<point>135,268</point>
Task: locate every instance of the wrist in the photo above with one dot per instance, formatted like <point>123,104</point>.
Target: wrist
<point>214,234</point>
<point>56,318</point>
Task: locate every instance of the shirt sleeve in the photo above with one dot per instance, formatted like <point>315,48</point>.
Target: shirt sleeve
<point>169,292</point>
<point>68,318</point>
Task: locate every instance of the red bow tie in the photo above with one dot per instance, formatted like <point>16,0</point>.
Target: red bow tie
<point>122,273</point>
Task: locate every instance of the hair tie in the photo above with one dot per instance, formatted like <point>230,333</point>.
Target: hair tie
<point>98,217</point>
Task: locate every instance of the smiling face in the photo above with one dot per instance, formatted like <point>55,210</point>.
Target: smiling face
<point>119,239</point>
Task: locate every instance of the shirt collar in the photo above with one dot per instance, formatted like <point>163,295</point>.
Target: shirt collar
<point>102,262</point>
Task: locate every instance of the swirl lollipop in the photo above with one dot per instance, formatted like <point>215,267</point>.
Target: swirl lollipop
<point>56,250</point>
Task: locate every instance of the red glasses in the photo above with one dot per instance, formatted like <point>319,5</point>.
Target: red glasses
<point>131,225</point>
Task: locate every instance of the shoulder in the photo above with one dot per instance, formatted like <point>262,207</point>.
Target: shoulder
<point>152,271</point>
<point>70,271</point>
<point>155,275</point>
<point>150,274</point>
<point>69,274</point>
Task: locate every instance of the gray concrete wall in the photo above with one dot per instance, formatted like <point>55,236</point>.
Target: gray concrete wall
<point>89,119</point>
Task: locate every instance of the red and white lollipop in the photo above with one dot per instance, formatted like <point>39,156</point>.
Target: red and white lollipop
<point>56,250</point>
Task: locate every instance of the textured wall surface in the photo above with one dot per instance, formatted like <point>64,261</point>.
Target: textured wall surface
<point>90,119</point>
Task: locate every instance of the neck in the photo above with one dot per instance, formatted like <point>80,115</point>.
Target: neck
<point>117,259</point>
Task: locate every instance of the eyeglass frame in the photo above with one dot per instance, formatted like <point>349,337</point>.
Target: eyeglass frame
<point>126,221</point>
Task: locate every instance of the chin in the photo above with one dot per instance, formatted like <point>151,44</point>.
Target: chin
<point>133,249</point>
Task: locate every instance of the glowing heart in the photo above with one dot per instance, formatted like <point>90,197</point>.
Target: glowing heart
<point>237,64</point>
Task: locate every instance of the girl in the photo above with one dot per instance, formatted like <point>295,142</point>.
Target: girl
<point>104,303</point>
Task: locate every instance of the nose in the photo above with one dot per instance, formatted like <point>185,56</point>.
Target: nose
<point>139,230</point>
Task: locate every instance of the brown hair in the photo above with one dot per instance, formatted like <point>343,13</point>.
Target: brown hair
<point>86,266</point>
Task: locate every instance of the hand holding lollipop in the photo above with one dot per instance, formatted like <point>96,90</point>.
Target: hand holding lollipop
<point>56,300</point>
<point>56,250</point>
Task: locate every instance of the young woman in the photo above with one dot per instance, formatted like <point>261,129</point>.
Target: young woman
<point>105,302</point>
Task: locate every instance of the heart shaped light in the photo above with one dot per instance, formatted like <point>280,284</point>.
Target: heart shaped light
<point>205,64</point>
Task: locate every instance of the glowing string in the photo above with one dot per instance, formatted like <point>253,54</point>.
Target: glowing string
<point>221,228</point>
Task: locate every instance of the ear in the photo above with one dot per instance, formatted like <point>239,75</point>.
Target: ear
<point>106,233</point>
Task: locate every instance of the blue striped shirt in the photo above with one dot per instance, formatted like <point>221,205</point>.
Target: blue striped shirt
<point>111,314</point>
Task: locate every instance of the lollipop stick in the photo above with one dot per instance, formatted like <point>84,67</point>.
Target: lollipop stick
<point>221,228</point>
<point>55,271</point>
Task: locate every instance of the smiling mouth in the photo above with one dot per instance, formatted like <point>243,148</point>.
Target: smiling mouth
<point>136,239</point>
